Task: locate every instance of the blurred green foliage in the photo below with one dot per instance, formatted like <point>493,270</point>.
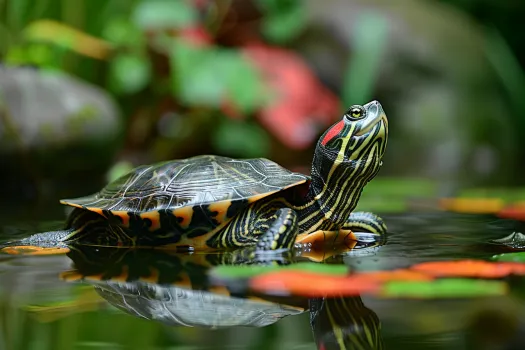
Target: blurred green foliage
<point>178,70</point>
<point>135,49</point>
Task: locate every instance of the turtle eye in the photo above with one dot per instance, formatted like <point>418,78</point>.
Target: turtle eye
<point>355,112</point>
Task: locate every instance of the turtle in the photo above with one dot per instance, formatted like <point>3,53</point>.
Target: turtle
<point>211,202</point>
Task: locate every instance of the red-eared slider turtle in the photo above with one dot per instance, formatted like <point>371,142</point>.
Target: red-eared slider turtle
<point>212,202</point>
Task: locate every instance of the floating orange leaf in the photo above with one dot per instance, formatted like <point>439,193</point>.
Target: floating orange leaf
<point>470,268</point>
<point>32,250</point>
<point>472,205</point>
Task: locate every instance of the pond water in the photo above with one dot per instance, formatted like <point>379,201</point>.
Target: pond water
<point>116,299</point>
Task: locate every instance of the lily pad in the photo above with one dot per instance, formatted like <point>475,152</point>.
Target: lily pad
<point>443,288</point>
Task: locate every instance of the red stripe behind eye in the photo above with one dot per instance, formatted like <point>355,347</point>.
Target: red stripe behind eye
<point>336,129</point>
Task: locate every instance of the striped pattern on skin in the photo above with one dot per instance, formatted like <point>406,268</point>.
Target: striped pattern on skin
<point>344,323</point>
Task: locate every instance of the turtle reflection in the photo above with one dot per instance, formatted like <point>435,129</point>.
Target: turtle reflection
<point>344,323</point>
<point>176,289</point>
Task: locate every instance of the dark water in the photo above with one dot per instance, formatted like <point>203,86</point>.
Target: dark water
<point>146,300</point>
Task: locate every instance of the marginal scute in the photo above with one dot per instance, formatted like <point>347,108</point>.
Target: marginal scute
<point>184,215</point>
<point>123,215</point>
<point>219,210</point>
<point>154,217</point>
<point>96,210</point>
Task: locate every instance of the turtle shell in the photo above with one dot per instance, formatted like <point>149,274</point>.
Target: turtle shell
<point>214,186</point>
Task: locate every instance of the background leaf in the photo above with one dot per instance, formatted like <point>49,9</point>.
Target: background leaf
<point>129,73</point>
<point>159,14</point>
<point>241,139</point>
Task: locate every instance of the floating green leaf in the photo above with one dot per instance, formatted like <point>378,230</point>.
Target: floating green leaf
<point>510,257</point>
<point>225,271</point>
<point>444,288</point>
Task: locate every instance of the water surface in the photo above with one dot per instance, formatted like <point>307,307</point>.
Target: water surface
<point>151,300</point>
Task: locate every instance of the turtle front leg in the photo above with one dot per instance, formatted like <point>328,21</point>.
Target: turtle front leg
<point>281,234</point>
<point>274,242</point>
<point>273,229</point>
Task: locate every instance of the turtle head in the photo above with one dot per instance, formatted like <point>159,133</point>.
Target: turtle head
<point>347,156</point>
<point>362,132</point>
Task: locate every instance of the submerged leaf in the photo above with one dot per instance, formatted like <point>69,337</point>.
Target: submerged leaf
<point>470,268</point>
<point>444,288</point>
